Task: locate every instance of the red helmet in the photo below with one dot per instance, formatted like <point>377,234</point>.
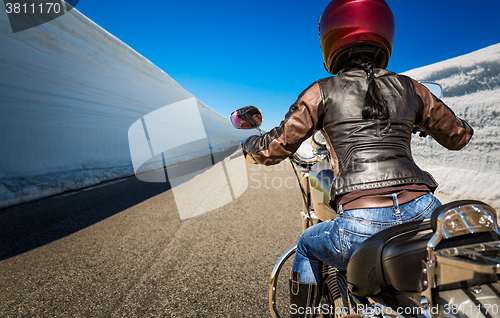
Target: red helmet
<point>352,26</point>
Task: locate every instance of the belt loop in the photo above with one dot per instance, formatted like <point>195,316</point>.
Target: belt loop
<point>396,203</point>
<point>340,209</point>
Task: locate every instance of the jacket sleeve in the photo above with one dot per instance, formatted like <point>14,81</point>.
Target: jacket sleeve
<point>300,123</point>
<point>440,122</point>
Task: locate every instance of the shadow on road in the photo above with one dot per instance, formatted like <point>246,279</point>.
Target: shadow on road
<point>31,225</point>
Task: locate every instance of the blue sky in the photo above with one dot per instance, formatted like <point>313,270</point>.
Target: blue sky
<point>232,53</point>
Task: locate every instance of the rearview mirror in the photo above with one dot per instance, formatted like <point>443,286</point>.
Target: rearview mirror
<point>247,117</point>
<point>434,88</point>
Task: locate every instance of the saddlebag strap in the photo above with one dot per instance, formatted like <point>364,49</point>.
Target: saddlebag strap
<point>382,201</point>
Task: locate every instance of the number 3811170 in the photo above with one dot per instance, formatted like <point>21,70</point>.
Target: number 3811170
<point>42,8</point>
<point>470,309</point>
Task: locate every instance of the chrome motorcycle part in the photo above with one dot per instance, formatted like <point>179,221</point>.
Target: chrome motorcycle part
<point>462,302</point>
<point>469,218</point>
<point>476,290</point>
<point>320,154</point>
<point>309,218</point>
<point>304,156</point>
<point>370,308</point>
<point>378,309</point>
<point>470,264</point>
<point>318,143</point>
<point>330,275</point>
<point>460,218</point>
<point>425,311</point>
<point>462,266</point>
<point>274,280</point>
<point>319,139</point>
<point>311,151</point>
<point>336,292</point>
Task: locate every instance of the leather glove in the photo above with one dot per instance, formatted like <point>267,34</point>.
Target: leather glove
<point>420,132</point>
<point>249,157</point>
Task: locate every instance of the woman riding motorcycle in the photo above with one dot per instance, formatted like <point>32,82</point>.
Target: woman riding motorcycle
<point>367,115</point>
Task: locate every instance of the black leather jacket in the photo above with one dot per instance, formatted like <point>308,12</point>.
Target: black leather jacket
<point>367,154</point>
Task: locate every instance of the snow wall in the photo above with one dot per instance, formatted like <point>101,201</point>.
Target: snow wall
<point>69,92</point>
<point>471,85</point>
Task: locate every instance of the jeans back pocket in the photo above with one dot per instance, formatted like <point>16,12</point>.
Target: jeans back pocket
<point>349,241</point>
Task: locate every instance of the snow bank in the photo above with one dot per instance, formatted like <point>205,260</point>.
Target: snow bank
<point>471,85</point>
<point>69,91</point>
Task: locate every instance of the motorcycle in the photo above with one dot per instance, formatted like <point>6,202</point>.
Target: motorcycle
<point>448,266</point>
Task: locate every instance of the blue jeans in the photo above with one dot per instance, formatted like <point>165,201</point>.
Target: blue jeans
<point>333,241</point>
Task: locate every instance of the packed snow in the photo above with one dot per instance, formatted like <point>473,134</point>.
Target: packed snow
<point>471,85</point>
<point>69,93</point>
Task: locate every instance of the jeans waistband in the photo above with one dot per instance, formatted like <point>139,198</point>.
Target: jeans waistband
<point>382,201</point>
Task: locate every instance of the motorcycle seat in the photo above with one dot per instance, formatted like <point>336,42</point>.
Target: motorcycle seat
<point>391,257</point>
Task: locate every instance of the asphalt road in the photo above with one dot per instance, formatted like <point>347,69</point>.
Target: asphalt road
<point>121,250</point>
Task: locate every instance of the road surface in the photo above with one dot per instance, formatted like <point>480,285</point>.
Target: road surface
<point>121,250</point>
